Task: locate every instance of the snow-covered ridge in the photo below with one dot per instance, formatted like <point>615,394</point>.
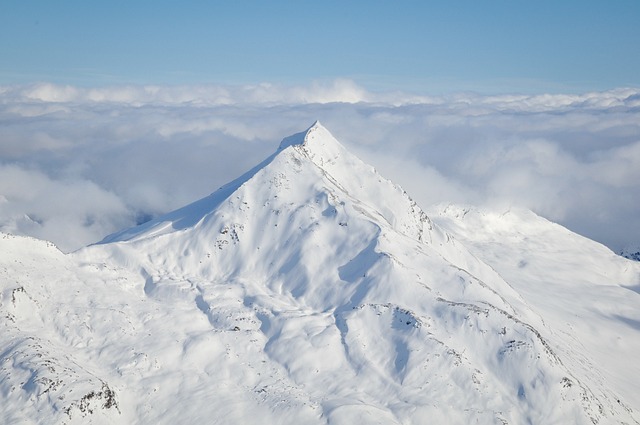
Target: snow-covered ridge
<point>336,164</point>
<point>313,290</point>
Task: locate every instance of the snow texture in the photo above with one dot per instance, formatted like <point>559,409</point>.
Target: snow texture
<point>313,290</point>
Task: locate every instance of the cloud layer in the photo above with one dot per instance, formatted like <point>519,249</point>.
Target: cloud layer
<point>78,163</point>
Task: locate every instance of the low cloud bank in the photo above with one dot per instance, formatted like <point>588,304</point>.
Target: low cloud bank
<point>78,163</point>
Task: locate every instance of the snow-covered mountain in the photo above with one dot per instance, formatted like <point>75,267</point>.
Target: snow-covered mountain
<point>312,290</point>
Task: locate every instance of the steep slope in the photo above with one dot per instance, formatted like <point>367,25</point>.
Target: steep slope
<point>309,290</point>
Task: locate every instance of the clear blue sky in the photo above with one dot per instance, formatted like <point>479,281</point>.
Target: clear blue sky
<point>426,46</point>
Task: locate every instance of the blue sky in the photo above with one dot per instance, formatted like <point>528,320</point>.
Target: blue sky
<point>421,46</point>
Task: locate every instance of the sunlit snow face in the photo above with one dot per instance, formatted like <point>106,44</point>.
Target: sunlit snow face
<point>80,163</point>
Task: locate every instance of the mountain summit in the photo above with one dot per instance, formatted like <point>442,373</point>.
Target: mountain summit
<point>308,290</point>
<point>313,154</point>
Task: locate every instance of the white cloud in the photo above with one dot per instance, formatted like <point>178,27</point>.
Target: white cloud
<point>70,213</point>
<point>340,90</point>
<point>135,150</point>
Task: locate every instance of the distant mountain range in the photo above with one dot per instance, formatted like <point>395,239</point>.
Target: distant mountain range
<point>313,290</point>
<point>631,252</point>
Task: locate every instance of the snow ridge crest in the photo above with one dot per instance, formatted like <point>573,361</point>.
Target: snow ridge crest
<point>316,141</point>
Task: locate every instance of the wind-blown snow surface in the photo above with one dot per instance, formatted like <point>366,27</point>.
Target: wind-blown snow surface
<point>312,290</point>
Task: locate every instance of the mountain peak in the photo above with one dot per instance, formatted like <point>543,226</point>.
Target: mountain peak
<point>326,152</point>
<point>305,137</point>
<point>327,159</point>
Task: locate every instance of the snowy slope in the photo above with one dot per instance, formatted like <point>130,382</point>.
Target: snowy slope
<point>591,295</point>
<point>309,290</point>
<point>50,319</point>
